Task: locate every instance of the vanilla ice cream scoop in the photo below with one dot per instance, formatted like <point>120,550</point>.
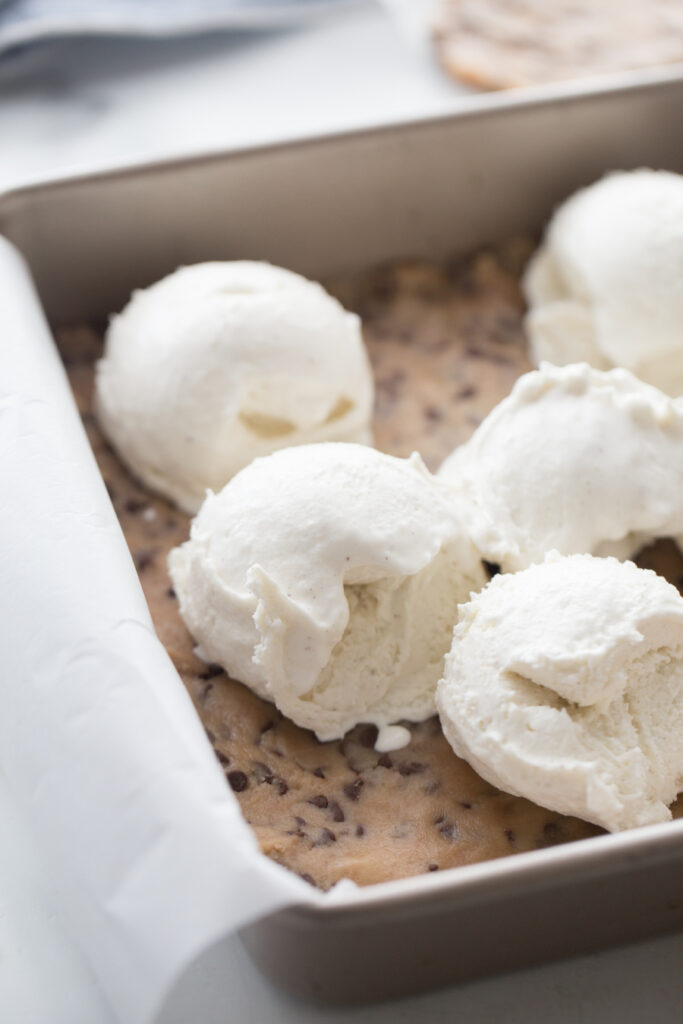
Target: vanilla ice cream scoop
<point>564,685</point>
<point>327,578</point>
<point>574,459</point>
<point>222,362</point>
<point>606,285</point>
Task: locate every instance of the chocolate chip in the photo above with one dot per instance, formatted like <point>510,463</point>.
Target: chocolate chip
<point>337,813</point>
<point>307,878</point>
<point>552,834</point>
<point>267,727</point>
<point>385,761</point>
<point>440,819</point>
<point>492,568</point>
<point>238,781</point>
<point>326,837</point>
<point>299,820</point>
<point>211,671</point>
<point>465,393</point>
<point>509,835</point>
<point>433,867</point>
<point>448,831</point>
<point>262,772</point>
<point>143,559</point>
<point>466,805</point>
<point>368,736</point>
<point>411,767</point>
<point>171,593</point>
<point>319,773</point>
<point>433,414</point>
<point>352,789</point>
<point>318,801</point>
<point>280,787</point>
<point>223,758</point>
<point>360,830</point>
<point>432,787</point>
<point>211,735</point>
<point>133,505</point>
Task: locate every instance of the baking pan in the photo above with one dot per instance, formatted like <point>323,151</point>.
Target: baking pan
<point>324,206</point>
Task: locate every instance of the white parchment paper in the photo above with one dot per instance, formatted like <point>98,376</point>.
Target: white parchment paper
<point>99,741</point>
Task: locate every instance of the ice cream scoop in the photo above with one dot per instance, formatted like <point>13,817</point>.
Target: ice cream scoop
<point>574,459</point>
<point>327,578</point>
<point>220,363</point>
<point>564,685</point>
<point>606,285</point>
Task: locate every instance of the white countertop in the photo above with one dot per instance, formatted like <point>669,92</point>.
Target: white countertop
<point>77,106</point>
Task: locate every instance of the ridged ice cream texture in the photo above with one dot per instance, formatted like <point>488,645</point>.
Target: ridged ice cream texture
<point>564,685</point>
<point>574,459</point>
<point>220,363</point>
<point>327,579</point>
<point>606,285</point>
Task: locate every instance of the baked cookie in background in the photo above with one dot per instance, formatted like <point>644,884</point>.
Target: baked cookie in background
<point>501,44</point>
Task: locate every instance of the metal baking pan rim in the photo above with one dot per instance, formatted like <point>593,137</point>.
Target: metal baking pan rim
<point>478,106</point>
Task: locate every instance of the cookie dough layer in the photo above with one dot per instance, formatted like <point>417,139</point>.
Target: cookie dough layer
<point>446,345</point>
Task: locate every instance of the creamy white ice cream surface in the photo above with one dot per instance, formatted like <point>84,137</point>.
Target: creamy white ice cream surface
<point>574,459</point>
<point>606,285</point>
<point>220,363</point>
<point>564,685</point>
<point>327,578</point>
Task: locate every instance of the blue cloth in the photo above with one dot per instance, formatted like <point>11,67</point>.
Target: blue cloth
<point>29,21</point>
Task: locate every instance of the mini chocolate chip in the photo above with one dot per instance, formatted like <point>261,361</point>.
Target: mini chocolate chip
<point>433,414</point>
<point>440,819</point>
<point>299,820</point>
<point>211,735</point>
<point>326,837</point>
<point>448,831</point>
<point>295,832</point>
<point>223,758</point>
<point>281,787</point>
<point>262,772</point>
<point>318,801</point>
<point>492,568</point>
<point>433,867</point>
<point>465,393</point>
<point>466,805</point>
<point>432,787</point>
<point>238,781</point>
<point>171,593</point>
<point>211,671</point>
<point>319,773</point>
<point>143,559</point>
<point>509,835</point>
<point>205,691</point>
<point>360,830</point>
<point>411,768</point>
<point>337,813</point>
<point>352,789</point>
<point>385,761</point>
<point>133,505</point>
<point>267,727</point>
<point>368,736</point>
<point>552,833</point>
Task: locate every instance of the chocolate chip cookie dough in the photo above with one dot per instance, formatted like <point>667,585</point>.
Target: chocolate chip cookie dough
<point>446,345</point>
